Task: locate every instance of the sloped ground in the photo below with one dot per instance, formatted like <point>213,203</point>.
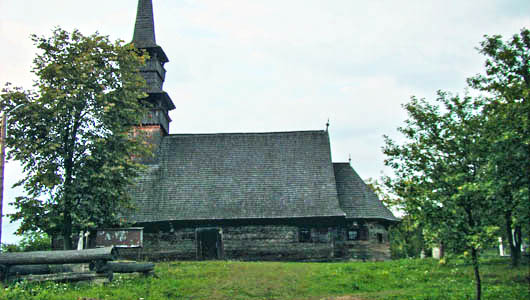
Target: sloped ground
<point>400,279</point>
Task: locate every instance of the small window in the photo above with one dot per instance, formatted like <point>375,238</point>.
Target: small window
<point>304,235</point>
<point>353,234</point>
<point>357,234</point>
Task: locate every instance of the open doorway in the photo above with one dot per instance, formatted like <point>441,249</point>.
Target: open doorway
<point>380,238</point>
<point>209,243</point>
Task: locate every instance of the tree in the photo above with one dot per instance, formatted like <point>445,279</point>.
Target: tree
<point>507,82</point>
<point>73,134</point>
<point>438,171</point>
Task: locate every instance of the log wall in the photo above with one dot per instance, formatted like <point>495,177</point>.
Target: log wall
<point>267,243</point>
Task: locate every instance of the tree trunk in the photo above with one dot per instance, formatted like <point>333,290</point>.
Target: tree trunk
<point>518,240</point>
<point>67,212</point>
<point>58,257</point>
<point>67,196</point>
<point>474,256</point>
<point>515,251</point>
<point>67,230</point>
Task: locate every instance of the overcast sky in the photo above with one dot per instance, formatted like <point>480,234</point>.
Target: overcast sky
<point>257,66</point>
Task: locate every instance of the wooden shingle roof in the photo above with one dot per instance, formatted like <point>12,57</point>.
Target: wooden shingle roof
<point>239,175</point>
<point>356,199</point>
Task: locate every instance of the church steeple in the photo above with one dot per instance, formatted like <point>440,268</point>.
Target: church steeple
<point>153,72</point>
<point>144,28</point>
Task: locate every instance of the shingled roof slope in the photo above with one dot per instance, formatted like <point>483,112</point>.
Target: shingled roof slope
<point>239,175</point>
<point>356,199</point>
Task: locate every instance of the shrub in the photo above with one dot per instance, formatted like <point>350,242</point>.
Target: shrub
<point>31,241</point>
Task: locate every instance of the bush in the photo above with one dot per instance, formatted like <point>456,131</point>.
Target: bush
<point>31,241</point>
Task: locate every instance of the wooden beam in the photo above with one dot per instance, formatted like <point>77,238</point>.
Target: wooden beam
<point>131,267</point>
<point>58,257</point>
<point>64,277</point>
<point>38,269</point>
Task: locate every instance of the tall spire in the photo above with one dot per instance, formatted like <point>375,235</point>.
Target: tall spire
<point>144,28</point>
<point>153,71</point>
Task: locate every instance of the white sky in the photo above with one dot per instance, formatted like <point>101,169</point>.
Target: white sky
<point>255,66</point>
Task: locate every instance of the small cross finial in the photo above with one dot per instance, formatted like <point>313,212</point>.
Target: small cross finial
<point>327,125</point>
<point>349,158</point>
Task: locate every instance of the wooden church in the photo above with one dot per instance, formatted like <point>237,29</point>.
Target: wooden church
<point>249,196</point>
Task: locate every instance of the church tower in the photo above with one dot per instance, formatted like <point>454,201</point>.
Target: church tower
<point>153,72</point>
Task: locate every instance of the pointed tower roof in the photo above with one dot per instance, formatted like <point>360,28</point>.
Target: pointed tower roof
<point>144,30</point>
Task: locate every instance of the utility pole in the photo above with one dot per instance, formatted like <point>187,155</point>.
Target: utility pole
<point>3,131</point>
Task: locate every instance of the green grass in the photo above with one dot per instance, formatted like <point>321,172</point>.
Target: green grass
<point>400,279</point>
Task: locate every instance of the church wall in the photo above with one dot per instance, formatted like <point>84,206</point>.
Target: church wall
<point>261,242</point>
<point>271,243</point>
<point>373,244</point>
<point>276,243</point>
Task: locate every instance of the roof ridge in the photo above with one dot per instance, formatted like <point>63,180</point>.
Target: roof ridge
<point>244,133</point>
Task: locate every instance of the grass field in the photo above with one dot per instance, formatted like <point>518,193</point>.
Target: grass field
<point>399,279</point>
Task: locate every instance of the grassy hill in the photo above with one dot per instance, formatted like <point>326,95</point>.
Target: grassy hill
<point>399,279</point>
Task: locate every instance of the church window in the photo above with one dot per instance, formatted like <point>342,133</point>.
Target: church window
<point>353,234</point>
<point>304,235</point>
<point>358,234</point>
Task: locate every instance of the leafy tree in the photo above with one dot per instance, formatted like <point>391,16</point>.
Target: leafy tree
<point>507,82</point>
<point>73,134</point>
<point>438,173</point>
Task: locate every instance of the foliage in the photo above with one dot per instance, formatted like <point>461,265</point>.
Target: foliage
<point>73,134</point>
<point>31,241</point>
<point>438,173</point>
<point>406,239</point>
<point>396,280</point>
<point>507,131</point>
